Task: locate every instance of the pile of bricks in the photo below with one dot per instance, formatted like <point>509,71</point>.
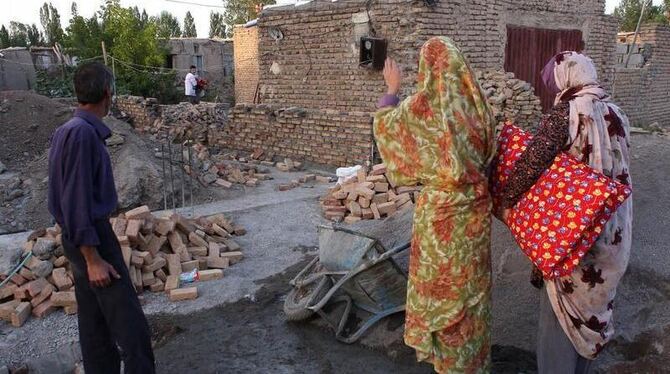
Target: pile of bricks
<point>141,112</point>
<point>367,196</point>
<point>156,252</point>
<point>199,123</point>
<point>511,99</point>
<point>219,171</point>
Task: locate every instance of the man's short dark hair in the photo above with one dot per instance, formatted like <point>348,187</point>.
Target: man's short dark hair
<point>193,67</point>
<point>90,82</point>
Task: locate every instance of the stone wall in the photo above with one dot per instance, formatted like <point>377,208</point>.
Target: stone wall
<point>245,41</point>
<point>142,112</point>
<point>644,93</point>
<point>322,136</point>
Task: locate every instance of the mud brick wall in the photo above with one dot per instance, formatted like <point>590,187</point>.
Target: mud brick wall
<point>245,41</point>
<point>323,136</point>
<point>315,65</point>
<point>142,111</point>
<point>644,93</point>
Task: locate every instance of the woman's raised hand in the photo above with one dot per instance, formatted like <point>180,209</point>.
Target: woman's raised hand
<point>392,76</point>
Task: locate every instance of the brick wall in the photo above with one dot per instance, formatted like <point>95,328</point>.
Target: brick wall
<point>142,112</point>
<point>315,65</point>
<point>322,136</point>
<point>644,93</point>
<point>245,41</point>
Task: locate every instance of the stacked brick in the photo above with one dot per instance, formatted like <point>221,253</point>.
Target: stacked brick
<point>322,136</point>
<point>316,64</point>
<point>157,252</point>
<point>367,196</point>
<point>247,72</point>
<point>200,123</point>
<point>643,93</point>
<point>511,99</point>
<point>142,112</point>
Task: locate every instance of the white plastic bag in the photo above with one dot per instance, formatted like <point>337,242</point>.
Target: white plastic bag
<point>344,174</point>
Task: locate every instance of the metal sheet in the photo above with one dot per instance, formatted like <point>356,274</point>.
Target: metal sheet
<point>529,49</point>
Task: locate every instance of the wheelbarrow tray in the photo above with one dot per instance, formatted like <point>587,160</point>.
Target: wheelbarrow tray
<point>362,274</point>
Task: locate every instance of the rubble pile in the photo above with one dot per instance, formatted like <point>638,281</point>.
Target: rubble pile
<point>511,99</point>
<point>367,196</point>
<point>160,254</point>
<point>198,123</point>
<point>223,170</point>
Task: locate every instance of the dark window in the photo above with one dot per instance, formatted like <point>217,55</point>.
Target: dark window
<point>169,61</point>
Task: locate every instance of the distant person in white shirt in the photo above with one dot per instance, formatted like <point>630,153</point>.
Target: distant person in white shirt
<point>190,83</point>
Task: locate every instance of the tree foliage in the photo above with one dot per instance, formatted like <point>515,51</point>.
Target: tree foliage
<point>217,25</point>
<point>50,20</point>
<point>189,26</point>
<point>629,11</point>
<point>35,37</point>
<point>4,37</point>
<point>18,34</point>
<point>167,26</point>
<point>131,39</point>
<point>242,11</point>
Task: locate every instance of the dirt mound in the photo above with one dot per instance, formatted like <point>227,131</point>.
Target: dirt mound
<point>27,121</point>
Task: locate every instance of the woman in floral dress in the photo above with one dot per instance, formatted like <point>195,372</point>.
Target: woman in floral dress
<point>443,138</point>
<point>576,311</point>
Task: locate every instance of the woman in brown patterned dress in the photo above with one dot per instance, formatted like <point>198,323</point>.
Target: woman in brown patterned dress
<point>576,311</point>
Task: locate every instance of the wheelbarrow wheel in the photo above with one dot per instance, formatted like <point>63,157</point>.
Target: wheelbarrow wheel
<point>299,298</point>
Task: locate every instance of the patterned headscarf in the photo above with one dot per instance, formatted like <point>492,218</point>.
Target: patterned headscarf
<point>449,113</point>
<point>599,133</point>
<point>590,110</point>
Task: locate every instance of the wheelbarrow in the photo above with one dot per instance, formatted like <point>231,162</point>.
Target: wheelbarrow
<point>353,269</point>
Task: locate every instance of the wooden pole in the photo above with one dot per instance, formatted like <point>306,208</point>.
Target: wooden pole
<point>104,51</point>
<point>637,31</point>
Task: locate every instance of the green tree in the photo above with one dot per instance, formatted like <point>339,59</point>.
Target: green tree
<point>50,20</point>
<point>167,25</point>
<point>217,25</point>
<point>131,40</point>
<point>18,34</point>
<point>189,26</point>
<point>83,35</point>
<point>4,37</point>
<point>629,11</point>
<point>242,11</point>
<point>35,37</point>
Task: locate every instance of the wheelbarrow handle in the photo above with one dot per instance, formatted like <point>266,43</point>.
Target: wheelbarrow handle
<point>394,251</point>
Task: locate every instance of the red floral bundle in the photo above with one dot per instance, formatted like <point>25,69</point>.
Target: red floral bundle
<point>561,216</point>
<point>201,84</point>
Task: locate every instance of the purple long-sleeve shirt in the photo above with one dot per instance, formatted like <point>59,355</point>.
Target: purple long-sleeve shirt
<point>81,183</point>
<point>387,101</point>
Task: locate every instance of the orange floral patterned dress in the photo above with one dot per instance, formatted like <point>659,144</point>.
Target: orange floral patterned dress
<point>443,138</point>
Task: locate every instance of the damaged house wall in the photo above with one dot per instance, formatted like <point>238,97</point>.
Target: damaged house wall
<point>212,57</point>
<point>642,89</point>
<point>17,71</point>
<point>309,55</point>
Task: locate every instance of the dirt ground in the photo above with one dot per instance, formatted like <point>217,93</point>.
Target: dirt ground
<point>27,123</point>
<point>236,325</point>
<point>252,337</point>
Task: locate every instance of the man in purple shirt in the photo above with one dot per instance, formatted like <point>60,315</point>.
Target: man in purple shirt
<point>82,196</point>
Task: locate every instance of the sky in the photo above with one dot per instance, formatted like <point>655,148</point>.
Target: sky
<point>27,11</point>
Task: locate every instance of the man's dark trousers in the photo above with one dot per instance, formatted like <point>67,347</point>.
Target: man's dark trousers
<point>109,316</point>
